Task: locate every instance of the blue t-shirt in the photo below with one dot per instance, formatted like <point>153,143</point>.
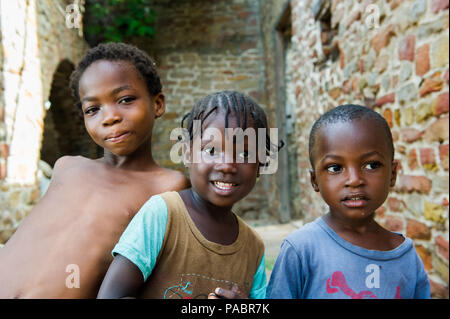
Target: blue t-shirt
<point>142,240</point>
<point>316,263</point>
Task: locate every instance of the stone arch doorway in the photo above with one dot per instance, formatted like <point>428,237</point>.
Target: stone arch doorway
<point>64,132</point>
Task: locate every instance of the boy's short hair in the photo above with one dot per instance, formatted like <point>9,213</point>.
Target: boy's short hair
<point>118,52</point>
<point>345,113</point>
<point>232,102</point>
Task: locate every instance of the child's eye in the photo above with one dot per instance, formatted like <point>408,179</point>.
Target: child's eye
<point>372,165</point>
<point>246,155</point>
<point>91,110</point>
<point>127,100</point>
<point>210,151</point>
<point>334,168</point>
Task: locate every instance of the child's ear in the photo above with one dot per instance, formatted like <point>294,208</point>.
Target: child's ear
<point>394,172</point>
<point>159,104</point>
<point>312,174</point>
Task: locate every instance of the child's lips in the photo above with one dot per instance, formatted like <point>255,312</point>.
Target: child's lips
<point>117,137</point>
<point>355,201</point>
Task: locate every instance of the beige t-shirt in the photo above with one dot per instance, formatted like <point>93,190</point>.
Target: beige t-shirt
<point>188,266</point>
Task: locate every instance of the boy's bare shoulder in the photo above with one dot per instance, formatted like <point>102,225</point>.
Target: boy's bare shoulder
<point>72,165</point>
<point>173,180</point>
<point>68,161</point>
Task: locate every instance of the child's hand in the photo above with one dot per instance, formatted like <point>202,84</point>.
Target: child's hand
<point>234,293</point>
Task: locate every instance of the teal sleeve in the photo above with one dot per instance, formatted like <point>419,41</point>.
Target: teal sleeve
<point>259,285</point>
<point>142,240</point>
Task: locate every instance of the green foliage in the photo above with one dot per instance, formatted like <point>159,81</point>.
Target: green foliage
<point>114,20</point>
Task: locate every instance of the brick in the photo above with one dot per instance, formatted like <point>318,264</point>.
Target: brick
<point>394,223</point>
<point>388,98</point>
<point>410,134</point>
<point>346,87</point>
<point>439,52</point>
<point>412,160</point>
<point>432,84</point>
<point>2,169</point>
<point>4,150</point>
<point>423,60</point>
<point>442,245</point>
<point>417,230</point>
<point>397,117</point>
<point>427,156</point>
<point>395,3</point>
<point>380,211</point>
<point>341,58</point>
<point>382,38</point>
<point>443,155</point>
<point>361,66</point>
<point>412,183</point>
<point>438,290</point>
<point>423,112</point>
<point>387,114</point>
<point>335,93</point>
<point>445,78</point>
<point>434,212</point>
<point>440,266</point>
<point>425,255</point>
<point>382,63</point>
<point>355,87</point>
<point>407,93</point>
<point>441,104</point>
<point>395,204</point>
<point>238,78</point>
<point>438,5</point>
<point>355,16</point>
<point>408,115</point>
<point>298,90</point>
<point>406,48</point>
<point>437,131</point>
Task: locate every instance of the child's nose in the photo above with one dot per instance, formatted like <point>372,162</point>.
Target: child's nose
<point>354,177</point>
<point>226,164</point>
<point>111,116</point>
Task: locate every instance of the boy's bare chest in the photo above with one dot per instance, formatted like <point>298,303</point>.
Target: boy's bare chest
<point>119,194</point>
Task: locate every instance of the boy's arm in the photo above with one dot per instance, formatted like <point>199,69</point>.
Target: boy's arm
<point>285,280</point>
<point>422,289</point>
<point>137,250</point>
<point>122,280</point>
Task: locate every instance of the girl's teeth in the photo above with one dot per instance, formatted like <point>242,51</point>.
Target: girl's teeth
<point>223,185</point>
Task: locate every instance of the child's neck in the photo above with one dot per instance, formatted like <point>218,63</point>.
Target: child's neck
<point>216,224</point>
<point>366,233</point>
<point>206,208</point>
<point>357,226</point>
<point>139,160</point>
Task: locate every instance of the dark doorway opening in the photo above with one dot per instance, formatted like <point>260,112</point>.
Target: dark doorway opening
<point>64,131</point>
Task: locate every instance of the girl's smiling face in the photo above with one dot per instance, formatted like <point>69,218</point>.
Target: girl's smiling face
<point>353,167</point>
<point>218,178</point>
<point>118,110</point>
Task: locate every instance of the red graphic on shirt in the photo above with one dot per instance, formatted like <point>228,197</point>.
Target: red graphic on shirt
<point>338,280</point>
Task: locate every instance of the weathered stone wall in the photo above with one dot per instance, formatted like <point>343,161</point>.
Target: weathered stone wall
<point>34,40</point>
<point>400,69</point>
<point>202,47</point>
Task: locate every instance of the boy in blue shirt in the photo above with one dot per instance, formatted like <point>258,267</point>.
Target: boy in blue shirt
<point>346,253</point>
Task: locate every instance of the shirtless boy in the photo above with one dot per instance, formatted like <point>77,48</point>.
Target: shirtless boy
<point>62,248</point>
